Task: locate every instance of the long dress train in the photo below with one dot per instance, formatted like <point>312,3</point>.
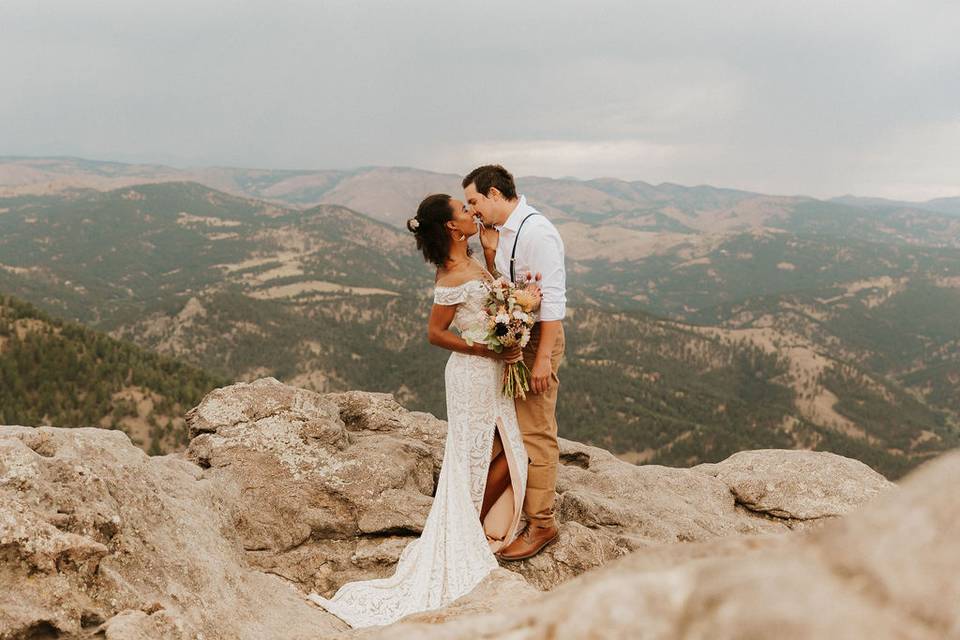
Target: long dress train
<point>455,551</point>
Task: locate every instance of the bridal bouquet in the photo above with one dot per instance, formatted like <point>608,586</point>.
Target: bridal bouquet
<point>510,318</point>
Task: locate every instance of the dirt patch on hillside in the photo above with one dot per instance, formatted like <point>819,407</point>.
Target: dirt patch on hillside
<point>314,286</point>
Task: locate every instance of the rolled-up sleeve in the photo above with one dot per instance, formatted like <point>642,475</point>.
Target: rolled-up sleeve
<point>546,255</point>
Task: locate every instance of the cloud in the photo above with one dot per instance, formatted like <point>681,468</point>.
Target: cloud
<point>815,97</point>
<point>933,174</point>
<point>571,158</point>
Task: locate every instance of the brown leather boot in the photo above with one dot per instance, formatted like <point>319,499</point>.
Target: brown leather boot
<point>529,543</point>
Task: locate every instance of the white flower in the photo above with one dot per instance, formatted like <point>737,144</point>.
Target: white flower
<point>524,339</point>
<point>502,318</point>
<point>523,317</point>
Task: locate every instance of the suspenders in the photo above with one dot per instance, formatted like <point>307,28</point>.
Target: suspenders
<point>513,254</point>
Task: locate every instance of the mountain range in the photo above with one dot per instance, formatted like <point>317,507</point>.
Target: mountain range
<point>703,320</point>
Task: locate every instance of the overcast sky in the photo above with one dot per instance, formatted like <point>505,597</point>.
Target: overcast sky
<point>814,97</point>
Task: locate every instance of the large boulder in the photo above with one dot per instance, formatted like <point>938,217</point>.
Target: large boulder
<point>94,534</point>
<point>283,491</point>
<point>796,485</point>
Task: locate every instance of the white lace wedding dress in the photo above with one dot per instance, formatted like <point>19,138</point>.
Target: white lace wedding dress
<point>455,551</point>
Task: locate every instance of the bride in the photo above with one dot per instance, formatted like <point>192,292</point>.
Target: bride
<point>479,496</point>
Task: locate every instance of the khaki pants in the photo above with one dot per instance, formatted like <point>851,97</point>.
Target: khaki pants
<point>537,415</point>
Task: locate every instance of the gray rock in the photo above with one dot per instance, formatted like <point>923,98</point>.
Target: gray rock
<point>797,485</point>
<point>283,491</point>
<point>888,570</point>
<point>95,534</point>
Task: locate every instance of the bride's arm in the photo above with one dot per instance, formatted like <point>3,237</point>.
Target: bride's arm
<point>489,240</point>
<point>489,257</point>
<point>439,334</point>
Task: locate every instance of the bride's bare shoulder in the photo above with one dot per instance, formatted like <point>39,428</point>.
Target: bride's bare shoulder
<point>456,278</point>
<point>451,281</point>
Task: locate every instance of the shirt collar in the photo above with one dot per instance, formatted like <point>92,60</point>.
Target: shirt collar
<point>519,213</point>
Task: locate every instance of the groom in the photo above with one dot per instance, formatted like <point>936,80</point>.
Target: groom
<point>521,242</point>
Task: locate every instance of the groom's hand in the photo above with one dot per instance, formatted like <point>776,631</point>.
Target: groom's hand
<point>540,375</point>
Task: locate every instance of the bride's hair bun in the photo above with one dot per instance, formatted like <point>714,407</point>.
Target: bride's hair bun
<point>412,225</point>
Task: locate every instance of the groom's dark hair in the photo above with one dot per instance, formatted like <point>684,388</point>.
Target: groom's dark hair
<point>491,175</point>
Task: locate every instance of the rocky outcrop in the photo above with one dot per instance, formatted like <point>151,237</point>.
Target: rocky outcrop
<point>96,535</point>
<point>346,494</point>
<point>283,491</point>
<point>887,571</point>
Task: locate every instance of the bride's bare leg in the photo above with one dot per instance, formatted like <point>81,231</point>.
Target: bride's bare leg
<point>498,476</point>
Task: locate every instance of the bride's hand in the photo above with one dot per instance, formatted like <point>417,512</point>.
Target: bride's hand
<point>489,237</point>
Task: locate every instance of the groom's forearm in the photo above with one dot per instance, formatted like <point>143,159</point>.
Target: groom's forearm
<point>549,330</point>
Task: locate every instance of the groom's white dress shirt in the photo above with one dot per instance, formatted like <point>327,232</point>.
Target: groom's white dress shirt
<point>539,249</point>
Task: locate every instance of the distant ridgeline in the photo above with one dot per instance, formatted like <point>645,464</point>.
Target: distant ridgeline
<point>62,374</point>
